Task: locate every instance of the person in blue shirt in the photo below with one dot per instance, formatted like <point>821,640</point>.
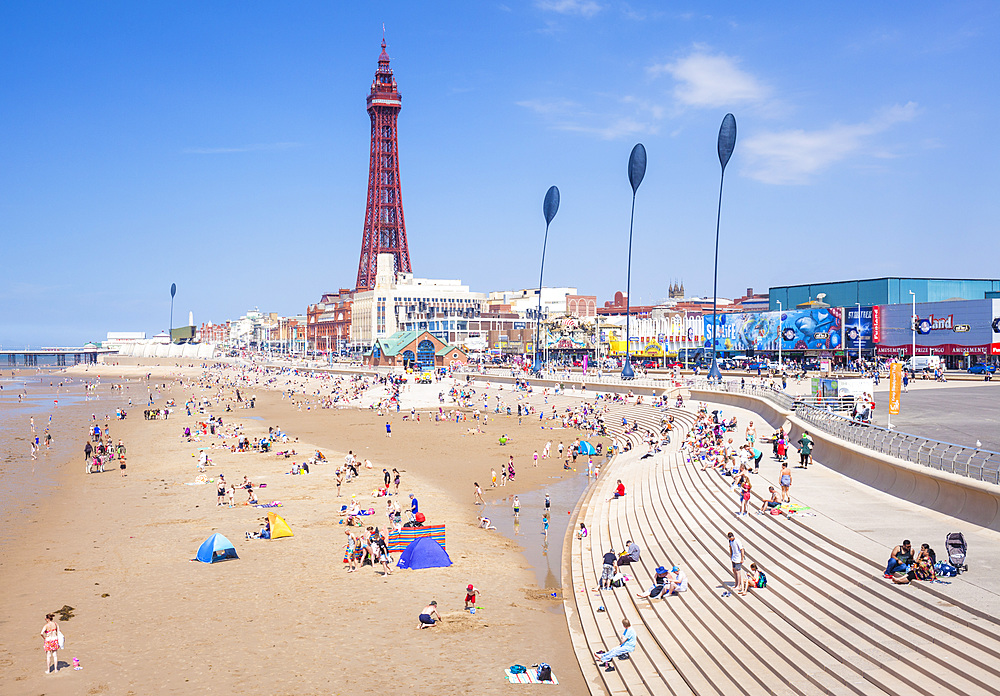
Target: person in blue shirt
<point>414,507</point>
<point>627,646</point>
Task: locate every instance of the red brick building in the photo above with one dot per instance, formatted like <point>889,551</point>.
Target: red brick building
<point>328,322</point>
<point>581,306</point>
<point>617,307</point>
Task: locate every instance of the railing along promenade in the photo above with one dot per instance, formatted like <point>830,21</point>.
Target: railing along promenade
<point>978,464</point>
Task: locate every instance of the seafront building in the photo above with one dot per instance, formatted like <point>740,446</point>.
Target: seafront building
<point>525,302</point>
<point>401,302</point>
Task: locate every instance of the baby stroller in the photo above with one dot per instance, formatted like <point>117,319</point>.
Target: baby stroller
<point>955,544</point>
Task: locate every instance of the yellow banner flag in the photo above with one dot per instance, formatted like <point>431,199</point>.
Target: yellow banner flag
<point>895,387</point>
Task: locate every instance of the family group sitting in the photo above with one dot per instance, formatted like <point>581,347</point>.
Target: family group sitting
<point>904,565</point>
<point>665,583</point>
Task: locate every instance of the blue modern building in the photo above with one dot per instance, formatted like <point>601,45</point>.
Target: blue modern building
<point>882,291</point>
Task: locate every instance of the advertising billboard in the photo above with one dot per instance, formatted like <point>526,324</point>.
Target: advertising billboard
<point>859,327</point>
<point>960,327</point>
<point>800,329</point>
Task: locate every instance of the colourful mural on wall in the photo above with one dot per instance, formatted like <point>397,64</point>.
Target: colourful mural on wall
<point>800,329</point>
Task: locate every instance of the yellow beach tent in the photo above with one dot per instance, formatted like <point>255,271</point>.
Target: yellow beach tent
<point>279,528</point>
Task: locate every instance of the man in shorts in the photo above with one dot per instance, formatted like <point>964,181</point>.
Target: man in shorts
<point>737,556</point>
<point>771,503</point>
<point>609,569</point>
<point>429,616</point>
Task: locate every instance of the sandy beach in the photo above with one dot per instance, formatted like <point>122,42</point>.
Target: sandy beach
<point>286,618</point>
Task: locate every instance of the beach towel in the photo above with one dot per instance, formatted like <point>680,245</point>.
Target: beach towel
<point>398,541</point>
<point>272,504</point>
<point>527,677</point>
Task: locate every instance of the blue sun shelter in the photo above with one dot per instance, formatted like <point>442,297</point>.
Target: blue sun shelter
<point>424,553</point>
<point>216,548</point>
<point>586,448</point>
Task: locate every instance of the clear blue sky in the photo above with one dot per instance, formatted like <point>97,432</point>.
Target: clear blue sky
<point>224,146</point>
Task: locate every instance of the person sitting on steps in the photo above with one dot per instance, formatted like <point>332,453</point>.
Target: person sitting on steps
<point>625,648</point>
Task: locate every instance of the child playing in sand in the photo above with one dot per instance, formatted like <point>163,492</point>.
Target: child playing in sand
<point>470,596</point>
<point>484,523</point>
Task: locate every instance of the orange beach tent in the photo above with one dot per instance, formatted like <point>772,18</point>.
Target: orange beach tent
<point>279,528</point>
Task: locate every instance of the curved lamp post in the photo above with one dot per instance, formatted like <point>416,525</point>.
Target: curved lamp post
<point>550,206</point>
<point>727,142</point>
<point>636,171</point>
<point>173,291</point>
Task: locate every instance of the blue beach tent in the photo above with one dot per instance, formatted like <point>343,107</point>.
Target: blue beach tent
<point>216,548</point>
<point>424,553</point>
<point>587,448</point>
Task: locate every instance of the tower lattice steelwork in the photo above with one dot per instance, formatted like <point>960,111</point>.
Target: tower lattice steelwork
<point>385,230</point>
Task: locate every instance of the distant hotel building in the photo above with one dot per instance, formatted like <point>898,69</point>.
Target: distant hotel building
<point>400,302</point>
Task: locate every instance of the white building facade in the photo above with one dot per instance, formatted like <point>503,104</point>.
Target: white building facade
<point>525,302</point>
<point>401,302</point>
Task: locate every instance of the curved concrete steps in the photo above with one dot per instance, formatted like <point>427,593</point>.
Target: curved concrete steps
<point>827,623</point>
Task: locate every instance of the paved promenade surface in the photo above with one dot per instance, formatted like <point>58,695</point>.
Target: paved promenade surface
<point>828,622</point>
<point>958,412</point>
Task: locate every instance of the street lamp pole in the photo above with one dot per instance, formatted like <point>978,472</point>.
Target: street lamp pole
<point>859,336</point>
<point>726,144</point>
<point>913,324</point>
<point>780,364</point>
<point>550,206</point>
<point>636,171</point>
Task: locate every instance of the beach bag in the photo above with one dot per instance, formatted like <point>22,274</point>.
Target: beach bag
<point>761,579</point>
<point>518,669</point>
<point>544,672</point>
<point>618,580</point>
<point>945,569</point>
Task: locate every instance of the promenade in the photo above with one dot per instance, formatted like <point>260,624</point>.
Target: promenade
<point>828,622</point>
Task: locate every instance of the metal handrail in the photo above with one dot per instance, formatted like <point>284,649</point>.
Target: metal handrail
<point>975,463</point>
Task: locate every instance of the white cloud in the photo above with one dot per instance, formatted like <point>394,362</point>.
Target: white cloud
<point>584,8</point>
<point>617,128</point>
<point>258,147</point>
<point>793,156</point>
<point>626,116</point>
<point>553,106</point>
<point>712,80</point>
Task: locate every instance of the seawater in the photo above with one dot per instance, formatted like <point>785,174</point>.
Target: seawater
<point>25,482</point>
<point>544,552</point>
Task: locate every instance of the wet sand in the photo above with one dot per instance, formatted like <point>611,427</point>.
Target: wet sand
<point>286,618</point>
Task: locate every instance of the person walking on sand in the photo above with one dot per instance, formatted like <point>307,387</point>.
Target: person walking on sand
<point>535,458</point>
<point>785,481</point>
<point>388,429</point>
<point>517,507</point>
<point>232,495</point>
<point>493,477</point>
<point>479,495</point>
<point>340,480</point>
<point>395,480</point>
<point>50,634</point>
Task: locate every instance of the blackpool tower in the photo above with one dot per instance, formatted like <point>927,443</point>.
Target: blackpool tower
<point>385,230</point>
